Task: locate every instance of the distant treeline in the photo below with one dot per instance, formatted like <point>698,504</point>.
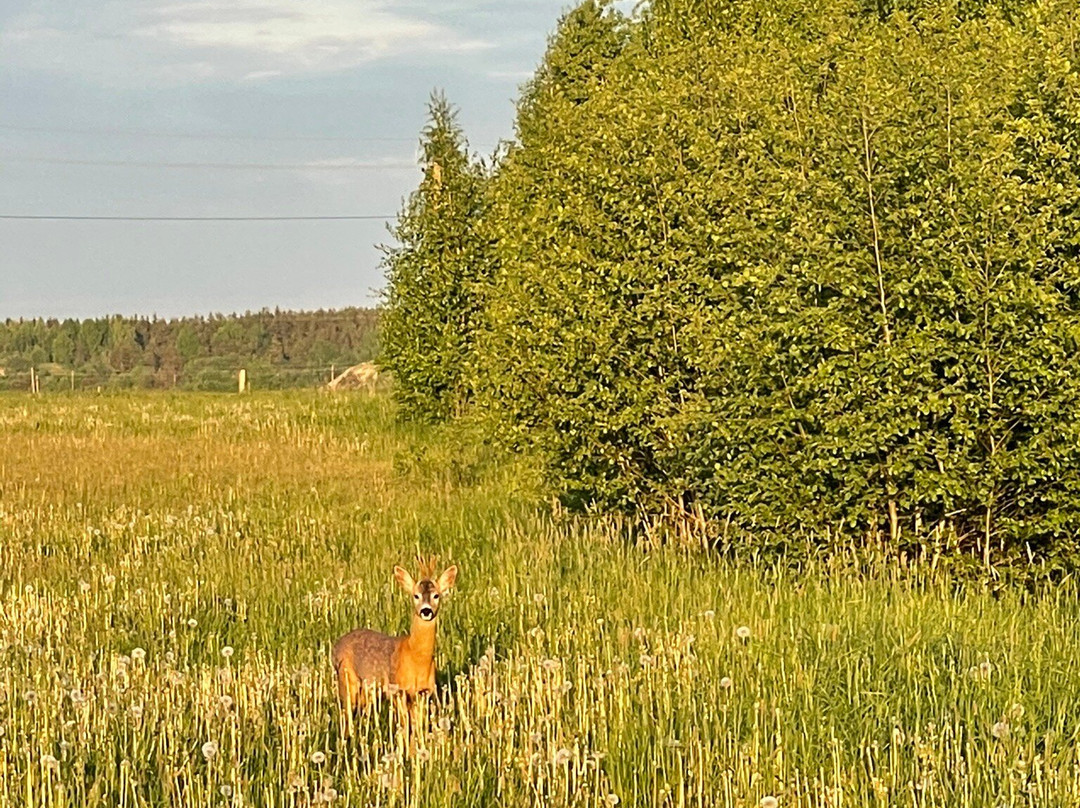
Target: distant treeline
<point>771,266</point>
<point>278,349</point>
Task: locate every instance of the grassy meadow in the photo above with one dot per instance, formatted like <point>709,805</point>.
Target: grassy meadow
<point>175,568</point>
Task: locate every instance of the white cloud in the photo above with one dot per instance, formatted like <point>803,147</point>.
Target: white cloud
<point>198,40</point>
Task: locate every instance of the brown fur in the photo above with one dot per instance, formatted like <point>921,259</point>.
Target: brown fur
<point>367,662</point>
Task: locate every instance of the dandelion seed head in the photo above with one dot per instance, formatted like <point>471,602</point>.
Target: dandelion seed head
<point>136,711</point>
<point>538,598</point>
<point>423,756</point>
<point>612,799</point>
<point>50,762</point>
<point>84,586</point>
<point>769,802</point>
<point>227,651</point>
<point>743,632</point>
<point>445,724</point>
<point>225,791</point>
<point>192,622</point>
<point>318,758</point>
<point>138,654</point>
<point>708,614</point>
<point>226,702</point>
<point>562,756</point>
<point>726,683</point>
<point>209,750</point>
<point>1000,730</point>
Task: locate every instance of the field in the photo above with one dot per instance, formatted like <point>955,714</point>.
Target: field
<point>174,569</point>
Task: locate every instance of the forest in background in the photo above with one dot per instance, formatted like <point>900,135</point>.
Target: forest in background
<point>771,267</point>
<point>278,349</point>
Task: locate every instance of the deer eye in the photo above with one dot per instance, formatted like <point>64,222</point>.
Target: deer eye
<point>416,596</point>
<point>434,595</point>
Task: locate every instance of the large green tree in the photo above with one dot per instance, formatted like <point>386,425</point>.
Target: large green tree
<point>799,264</point>
<point>429,313</point>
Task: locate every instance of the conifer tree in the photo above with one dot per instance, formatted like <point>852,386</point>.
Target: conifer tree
<point>430,302</point>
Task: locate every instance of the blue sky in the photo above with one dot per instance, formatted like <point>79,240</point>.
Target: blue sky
<point>230,108</point>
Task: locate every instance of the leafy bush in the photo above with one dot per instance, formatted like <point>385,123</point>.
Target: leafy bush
<point>798,265</point>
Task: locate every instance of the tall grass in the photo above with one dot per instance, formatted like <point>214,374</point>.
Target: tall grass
<point>174,569</point>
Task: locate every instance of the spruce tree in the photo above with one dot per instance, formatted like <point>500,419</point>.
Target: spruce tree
<point>430,301</point>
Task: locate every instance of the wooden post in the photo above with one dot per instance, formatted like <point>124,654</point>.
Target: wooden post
<point>242,382</point>
<point>333,372</point>
<point>73,381</point>
<point>35,385</point>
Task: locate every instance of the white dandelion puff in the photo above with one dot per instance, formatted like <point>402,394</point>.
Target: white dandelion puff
<point>209,750</point>
<point>318,758</point>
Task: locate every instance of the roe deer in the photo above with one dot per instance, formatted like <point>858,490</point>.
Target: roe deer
<point>366,661</point>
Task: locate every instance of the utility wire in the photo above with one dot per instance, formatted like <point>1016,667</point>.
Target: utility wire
<point>399,165</point>
<point>120,132</point>
<point>20,217</point>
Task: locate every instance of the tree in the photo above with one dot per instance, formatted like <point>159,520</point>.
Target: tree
<point>431,300</point>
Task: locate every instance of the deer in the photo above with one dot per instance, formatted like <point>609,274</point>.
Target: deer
<point>367,662</point>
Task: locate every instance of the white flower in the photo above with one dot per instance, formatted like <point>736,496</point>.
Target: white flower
<point>708,614</point>
<point>192,623</point>
<point>226,791</point>
<point>423,756</point>
<point>562,756</point>
<point>1000,730</point>
<point>329,794</point>
<point>726,683</point>
<point>743,633</point>
<point>84,586</point>
<point>612,799</point>
<point>209,750</point>
<point>227,651</point>
<point>769,802</point>
<point>444,724</point>
<point>538,598</point>
<point>50,762</point>
<point>226,702</point>
<point>318,758</point>
<point>138,654</point>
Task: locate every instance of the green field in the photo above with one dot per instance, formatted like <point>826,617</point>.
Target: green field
<point>142,536</point>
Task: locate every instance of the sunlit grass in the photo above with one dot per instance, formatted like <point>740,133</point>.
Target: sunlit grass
<point>174,569</point>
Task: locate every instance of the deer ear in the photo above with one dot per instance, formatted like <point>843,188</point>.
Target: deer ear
<point>404,580</point>
<point>446,580</point>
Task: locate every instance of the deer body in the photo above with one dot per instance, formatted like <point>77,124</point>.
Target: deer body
<point>366,661</point>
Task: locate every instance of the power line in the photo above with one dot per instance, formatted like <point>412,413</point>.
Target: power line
<point>60,218</point>
<point>121,132</point>
<point>400,165</point>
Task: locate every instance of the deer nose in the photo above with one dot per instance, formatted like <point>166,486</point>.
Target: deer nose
<point>427,612</point>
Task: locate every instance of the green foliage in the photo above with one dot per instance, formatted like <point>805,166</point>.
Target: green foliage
<point>278,348</point>
<point>431,301</point>
<point>798,265</point>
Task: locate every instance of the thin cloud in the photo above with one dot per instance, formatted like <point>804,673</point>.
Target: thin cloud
<point>207,40</point>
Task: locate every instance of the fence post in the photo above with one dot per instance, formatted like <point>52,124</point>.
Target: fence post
<point>242,381</point>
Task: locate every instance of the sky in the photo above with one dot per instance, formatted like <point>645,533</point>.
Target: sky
<point>231,108</point>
